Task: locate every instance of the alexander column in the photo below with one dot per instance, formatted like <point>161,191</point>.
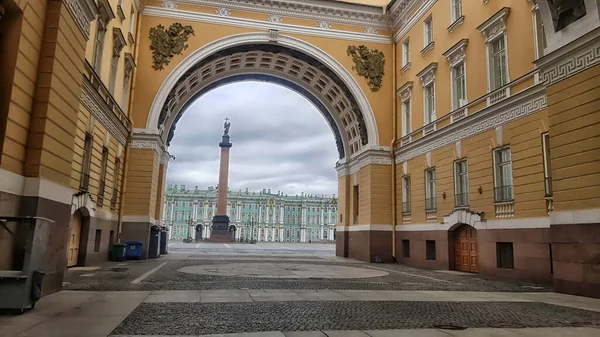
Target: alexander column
<point>220,227</point>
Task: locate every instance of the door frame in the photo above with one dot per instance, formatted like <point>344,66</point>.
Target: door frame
<point>452,245</point>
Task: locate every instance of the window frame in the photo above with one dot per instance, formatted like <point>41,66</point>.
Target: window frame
<point>406,190</point>
<point>490,62</point>
<point>86,162</point>
<point>453,84</point>
<point>505,262</point>
<point>406,248</point>
<point>497,172</point>
<point>405,52</point>
<point>430,189</point>
<point>406,120</point>
<point>454,14</point>
<point>429,116</point>
<point>430,250</point>
<point>457,180</point>
<point>428,31</point>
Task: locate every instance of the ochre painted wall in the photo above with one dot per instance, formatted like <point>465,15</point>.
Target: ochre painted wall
<point>574,119</point>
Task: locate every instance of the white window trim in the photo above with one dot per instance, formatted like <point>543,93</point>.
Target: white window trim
<point>426,116</point>
<point>455,55</point>
<point>452,88</point>
<point>405,52</point>
<point>427,22</point>
<point>427,77</point>
<point>493,29</point>
<point>495,159</point>
<point>456,184</point>
<point>428,193</point>
<point>405,94</point>
<point>455,20</point>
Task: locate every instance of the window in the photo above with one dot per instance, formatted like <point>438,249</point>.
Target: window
<point>405,53</point>
<point>459,86</point>
<point>84,181</point>
<point>356,203</point>
<point>430,250</point>
<point>430,189</point>
<point>406,117</point>
<point>456,9</point>
<point>406,194</point>
<point>427,31</point>
<point>498,68</point>
<point>97,239</point>
<point>405,248</point>
<point>103,164</point>
<point>539,34</point>
<point>503,175</point>
<point>99,44</point>
<point>461,184</point>
<point>504,255</point>
<point>429,98</point>
<point>547,170</point>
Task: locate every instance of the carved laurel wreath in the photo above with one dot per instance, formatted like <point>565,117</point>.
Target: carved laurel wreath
<point>166,43</point>
<point>369,64</point>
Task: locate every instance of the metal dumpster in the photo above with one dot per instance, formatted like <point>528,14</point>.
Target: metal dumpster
<point>133,250</point>
<point>21,287</point>
<point>117,252</point>
<point>154,243</point>
<point>164,240</point>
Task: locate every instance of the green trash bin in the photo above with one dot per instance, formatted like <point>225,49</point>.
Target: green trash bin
<point>117,252</point>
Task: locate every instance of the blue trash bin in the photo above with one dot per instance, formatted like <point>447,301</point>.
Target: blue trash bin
<point>133,250</point>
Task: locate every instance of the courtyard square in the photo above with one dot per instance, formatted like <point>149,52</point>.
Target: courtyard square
<point>294,290</point>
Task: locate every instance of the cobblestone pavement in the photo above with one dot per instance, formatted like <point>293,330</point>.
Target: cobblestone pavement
<point>213,318</point>
<point>197,290</point>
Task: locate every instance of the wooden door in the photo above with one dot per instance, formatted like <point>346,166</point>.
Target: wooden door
<point>74,238</point>
<point>465,245</point>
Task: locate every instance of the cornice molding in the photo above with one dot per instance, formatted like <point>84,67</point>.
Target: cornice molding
<point>368,157</point>
<point>101,112</point>
<point>571,59</point>
<point>457,53</point>
<point>148,142</point>
<point>404,22</point>
<point>405,91</point>
<point>427,75</point>
<point>338,12</point>
<point>495,25</point>
<point>523,104</point>
<point>264,25</point>
<point>83,12</point>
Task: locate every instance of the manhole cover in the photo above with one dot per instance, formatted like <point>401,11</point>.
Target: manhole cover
<point>449,327</point>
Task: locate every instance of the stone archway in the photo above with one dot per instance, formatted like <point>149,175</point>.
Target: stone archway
<point>288,61</point>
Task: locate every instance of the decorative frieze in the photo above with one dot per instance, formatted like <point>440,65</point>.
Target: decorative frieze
<point>275,18</point>
<point>323,24</point>
<point>223,11</point>
<point>340,12</point>
<point>567,61</point>
<point>168,4</point>
<point>371,30</point>
<point>148,142</point>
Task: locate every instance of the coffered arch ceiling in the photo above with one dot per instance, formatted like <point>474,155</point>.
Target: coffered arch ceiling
<point>279,64</point>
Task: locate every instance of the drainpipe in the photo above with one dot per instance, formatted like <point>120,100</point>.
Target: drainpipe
<point>392,156</point>
<point>123,182</point>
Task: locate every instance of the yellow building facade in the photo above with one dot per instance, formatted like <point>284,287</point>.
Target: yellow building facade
<point>468,133</point>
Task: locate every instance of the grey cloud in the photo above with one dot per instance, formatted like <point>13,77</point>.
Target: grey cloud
<point>280,141</point>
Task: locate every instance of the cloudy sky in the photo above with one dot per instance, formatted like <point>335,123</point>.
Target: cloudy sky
<point>280,141</point>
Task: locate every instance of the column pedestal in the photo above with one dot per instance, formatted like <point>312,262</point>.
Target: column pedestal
<point>220,229</point>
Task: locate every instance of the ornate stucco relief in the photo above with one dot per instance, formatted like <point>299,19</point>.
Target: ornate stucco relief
<point>368,63</point>
<point>166,43</point>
